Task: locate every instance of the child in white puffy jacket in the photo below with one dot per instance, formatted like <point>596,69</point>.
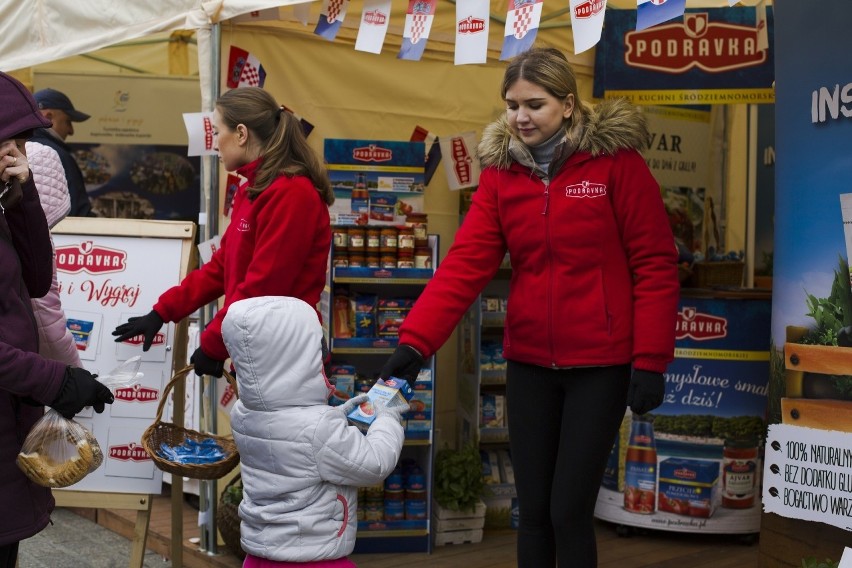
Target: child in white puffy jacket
<point>301,460</point>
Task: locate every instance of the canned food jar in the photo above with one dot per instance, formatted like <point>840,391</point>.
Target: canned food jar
<point>374,241</point>
<point>357,260</point>
<point>405,240</point>
<point>373,260</point>
<point>340,237</point>
<point>417,221</point>
<point>357,240</point>
<point>423,257</point>
<point>388,240</point>
<point>388,261</point>
<point>340,259</point>
<point>739,473</point>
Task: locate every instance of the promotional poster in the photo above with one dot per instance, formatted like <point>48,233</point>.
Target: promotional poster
<point>811,397</point>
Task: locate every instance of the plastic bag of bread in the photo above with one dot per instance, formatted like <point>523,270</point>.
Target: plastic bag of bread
<point>59,452</point>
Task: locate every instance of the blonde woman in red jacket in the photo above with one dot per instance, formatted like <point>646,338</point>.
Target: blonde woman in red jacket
<point>279,237</point>
<point>593,296</point>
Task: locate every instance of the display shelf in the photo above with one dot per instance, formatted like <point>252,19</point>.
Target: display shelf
<point>378,300</point>
<point>482,381</point>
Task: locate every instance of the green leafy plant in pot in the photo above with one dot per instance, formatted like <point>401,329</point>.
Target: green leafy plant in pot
<point>458,478</point>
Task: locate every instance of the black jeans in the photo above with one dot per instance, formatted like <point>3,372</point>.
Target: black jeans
<point>562,424</point>
<point>9,555</point>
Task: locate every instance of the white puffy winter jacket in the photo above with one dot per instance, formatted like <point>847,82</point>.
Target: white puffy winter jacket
<point>301,460</point>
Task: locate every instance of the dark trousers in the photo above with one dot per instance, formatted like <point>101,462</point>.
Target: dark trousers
<point>9,555</point>
<point>562,424</point>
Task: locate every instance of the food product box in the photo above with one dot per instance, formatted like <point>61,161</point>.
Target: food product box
<point>689,487</point>
<point>392,391</point>
<point>507,472</point>
<point>490,467</point>
<point>491,410</point>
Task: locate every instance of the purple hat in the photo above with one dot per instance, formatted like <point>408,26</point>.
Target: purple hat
<point>51,98</point>
<point>18,110</point>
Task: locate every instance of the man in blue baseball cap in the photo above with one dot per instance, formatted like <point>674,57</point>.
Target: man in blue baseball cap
<point>57,107</point>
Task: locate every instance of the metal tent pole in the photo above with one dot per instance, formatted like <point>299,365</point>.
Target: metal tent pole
<point>208,220</point>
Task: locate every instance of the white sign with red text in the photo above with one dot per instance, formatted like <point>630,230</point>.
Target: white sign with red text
<point>103,281</point>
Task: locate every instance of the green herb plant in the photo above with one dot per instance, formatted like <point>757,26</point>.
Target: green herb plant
<point>812,562</point>
<point>833,317</point>
<point>458,478</point>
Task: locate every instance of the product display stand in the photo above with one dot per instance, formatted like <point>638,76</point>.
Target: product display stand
<point>356,361</point>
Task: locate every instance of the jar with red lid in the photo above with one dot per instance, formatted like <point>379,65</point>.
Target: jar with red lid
<point>417,221</point>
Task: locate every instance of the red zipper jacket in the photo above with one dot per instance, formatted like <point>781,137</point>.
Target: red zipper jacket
<point>275,245</point>
<point>594,264</point>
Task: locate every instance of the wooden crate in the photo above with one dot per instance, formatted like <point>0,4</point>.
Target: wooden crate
<point>719,274</point>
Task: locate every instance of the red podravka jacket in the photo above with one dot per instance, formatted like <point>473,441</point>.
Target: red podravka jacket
<point>594,265</point>
<point>275,245</point>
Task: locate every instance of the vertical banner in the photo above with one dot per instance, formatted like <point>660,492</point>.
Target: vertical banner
<point>587,18</point>
<point>472,17</point>
<point>460,163</point>
<point>375,18</point>
<point>810,400</point>
<point>418,25</point>
<point>331,17</point>
<point>521,28</point>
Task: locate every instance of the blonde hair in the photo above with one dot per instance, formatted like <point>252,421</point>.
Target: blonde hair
<point>283,145</point>
<point>548,68</point>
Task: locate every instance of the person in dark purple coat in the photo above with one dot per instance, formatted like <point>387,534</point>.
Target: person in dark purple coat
<point>28,381</point>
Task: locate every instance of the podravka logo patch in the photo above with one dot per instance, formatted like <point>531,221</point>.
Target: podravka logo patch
<point>159,339</point>
<point>91,258</point>
<point>372,153</point>
<point>695,325</point>
<point>471,25</point>
<point>137,393</point>
<point>375,17</point>
<point>588,9</point>
<point>129,452</point>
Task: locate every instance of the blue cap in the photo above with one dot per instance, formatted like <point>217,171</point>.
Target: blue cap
<point>53,99</point>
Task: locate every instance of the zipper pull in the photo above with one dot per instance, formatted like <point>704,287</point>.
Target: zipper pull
<point>546,198</point>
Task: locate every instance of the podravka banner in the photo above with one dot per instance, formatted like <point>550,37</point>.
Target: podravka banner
<point>710,56</point>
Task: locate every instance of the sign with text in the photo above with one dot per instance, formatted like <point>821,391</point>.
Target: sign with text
<point>104,279</point>
<point>808,475</point>
<point>711,56</point>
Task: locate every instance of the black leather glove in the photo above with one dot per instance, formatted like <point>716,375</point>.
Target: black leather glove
<point>205,365</point>
<point>404,363</point>
<point>146,326</point>
<point>80,389</point>
<point>646,391</point>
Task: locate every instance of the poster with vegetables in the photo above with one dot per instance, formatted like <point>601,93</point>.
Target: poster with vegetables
<point>809,443</point>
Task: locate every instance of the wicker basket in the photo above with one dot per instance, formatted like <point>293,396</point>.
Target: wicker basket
<point>228,521</point>
<point>717,274</point>
<point>173,435</point>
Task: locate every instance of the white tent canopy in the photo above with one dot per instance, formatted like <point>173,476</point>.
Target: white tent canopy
<point>38,31</point>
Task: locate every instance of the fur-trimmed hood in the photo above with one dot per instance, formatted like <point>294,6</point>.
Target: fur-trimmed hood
<point>613,125</point>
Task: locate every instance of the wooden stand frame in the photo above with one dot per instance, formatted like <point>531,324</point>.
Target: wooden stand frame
<point>141,503</point>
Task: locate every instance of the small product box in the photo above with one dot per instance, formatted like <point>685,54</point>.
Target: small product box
<point>393,392</point>
<point>689,487</point>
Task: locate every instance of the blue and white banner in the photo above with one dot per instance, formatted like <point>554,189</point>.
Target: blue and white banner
<point>652,12</point>
<point>332,14</point>
<point>522,21</point>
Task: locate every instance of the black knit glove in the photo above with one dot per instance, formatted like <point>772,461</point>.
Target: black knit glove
<point>146,326</point>
<point>80,389</point>
<point>646,391</point>
<point>205,365</point>
<point>404,363</point>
